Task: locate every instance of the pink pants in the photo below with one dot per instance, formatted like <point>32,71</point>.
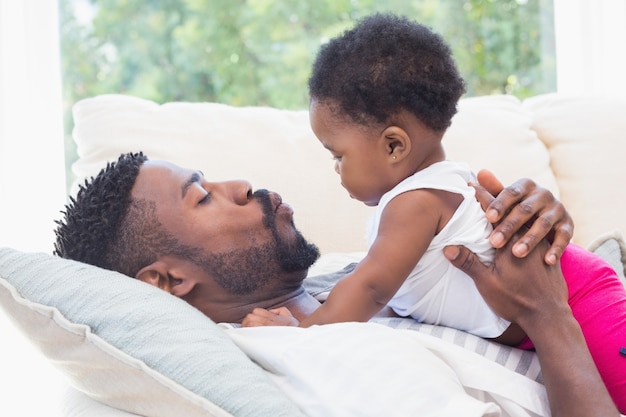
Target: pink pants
<point>598,301</point>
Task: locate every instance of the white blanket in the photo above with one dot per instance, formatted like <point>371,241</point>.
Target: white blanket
<point>368,369</point>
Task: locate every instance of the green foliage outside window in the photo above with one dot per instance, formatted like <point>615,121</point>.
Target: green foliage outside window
<point>259,52</point>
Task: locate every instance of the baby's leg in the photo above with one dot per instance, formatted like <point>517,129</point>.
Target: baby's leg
<point>598,301</point>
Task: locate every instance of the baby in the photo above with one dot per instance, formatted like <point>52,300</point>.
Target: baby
<point>382,96</point>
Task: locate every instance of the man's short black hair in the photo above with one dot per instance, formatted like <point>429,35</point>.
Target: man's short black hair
<point>386,64</point>
<point>105,227</point>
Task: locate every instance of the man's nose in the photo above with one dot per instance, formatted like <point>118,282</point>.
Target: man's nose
<point>241,191</point>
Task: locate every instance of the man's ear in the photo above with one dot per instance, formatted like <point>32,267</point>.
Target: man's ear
<point>397,143</point>
<point>162,275</point>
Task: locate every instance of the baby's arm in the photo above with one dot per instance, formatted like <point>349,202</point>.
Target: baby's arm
<point>408,224</point>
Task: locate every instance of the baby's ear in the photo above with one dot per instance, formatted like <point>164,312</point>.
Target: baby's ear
<point>397,142</point>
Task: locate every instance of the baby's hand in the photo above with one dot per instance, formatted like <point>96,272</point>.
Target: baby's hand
<point>275,317</point>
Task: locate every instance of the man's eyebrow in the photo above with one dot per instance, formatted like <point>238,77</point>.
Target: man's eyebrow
<point>195,177</point>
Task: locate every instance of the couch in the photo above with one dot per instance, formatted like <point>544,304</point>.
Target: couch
<point>573,146</point>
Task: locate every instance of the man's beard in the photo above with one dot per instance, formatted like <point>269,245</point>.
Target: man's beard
<point>244,271</point>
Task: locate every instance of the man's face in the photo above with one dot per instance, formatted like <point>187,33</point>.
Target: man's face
<point>246,270</point>
<point>248,244</point>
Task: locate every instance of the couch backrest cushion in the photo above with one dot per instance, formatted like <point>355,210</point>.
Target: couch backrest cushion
<point>495,133</point>
<point>276,149</point>
<point>586,138</point>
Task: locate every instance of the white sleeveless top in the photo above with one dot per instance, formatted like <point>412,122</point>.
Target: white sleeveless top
<point>436,292</point>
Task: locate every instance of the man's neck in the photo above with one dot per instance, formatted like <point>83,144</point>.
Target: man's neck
<point>299,302</point>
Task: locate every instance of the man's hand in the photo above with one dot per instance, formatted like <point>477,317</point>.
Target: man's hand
<point>533,294</point>
<point>516,289</point>
<point>275,317</point>
<point>521,204</point>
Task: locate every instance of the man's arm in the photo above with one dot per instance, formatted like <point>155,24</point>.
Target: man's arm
<point>533,294</point>
<point>524,203</point>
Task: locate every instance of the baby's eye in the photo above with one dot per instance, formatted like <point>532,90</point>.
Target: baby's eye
<point>205,199</point>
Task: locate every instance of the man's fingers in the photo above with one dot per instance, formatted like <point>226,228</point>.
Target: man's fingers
<point>562,238</point>
<point>539,229</point>
<point>483,196</point>
<point>509,199</point>
<point>524,208</point>
<point>489,181</point>
<point>466,261</point>
<point>492,187</point>
<point>487,188</point>
<point>551,222</point>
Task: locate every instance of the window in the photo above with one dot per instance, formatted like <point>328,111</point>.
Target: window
<point>259,52</point>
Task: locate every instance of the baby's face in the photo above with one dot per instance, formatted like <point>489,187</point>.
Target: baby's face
<point>361,155</point>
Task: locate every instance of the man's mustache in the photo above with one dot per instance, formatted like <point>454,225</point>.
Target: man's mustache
<point>263,197</point>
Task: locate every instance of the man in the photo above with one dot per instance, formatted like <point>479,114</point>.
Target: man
<point>227,250</point>
<point>218,246</point>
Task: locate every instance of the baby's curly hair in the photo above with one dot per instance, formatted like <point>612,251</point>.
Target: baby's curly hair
<point>104,226</point>
<point>386,64</point>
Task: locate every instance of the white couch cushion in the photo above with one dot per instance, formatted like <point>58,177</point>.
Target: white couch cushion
<point>586,138</point>
<point>495,133</point>
<point>276,149</point>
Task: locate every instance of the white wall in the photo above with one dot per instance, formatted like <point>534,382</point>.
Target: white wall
<point>591,46</point>
<point>32,183</point>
